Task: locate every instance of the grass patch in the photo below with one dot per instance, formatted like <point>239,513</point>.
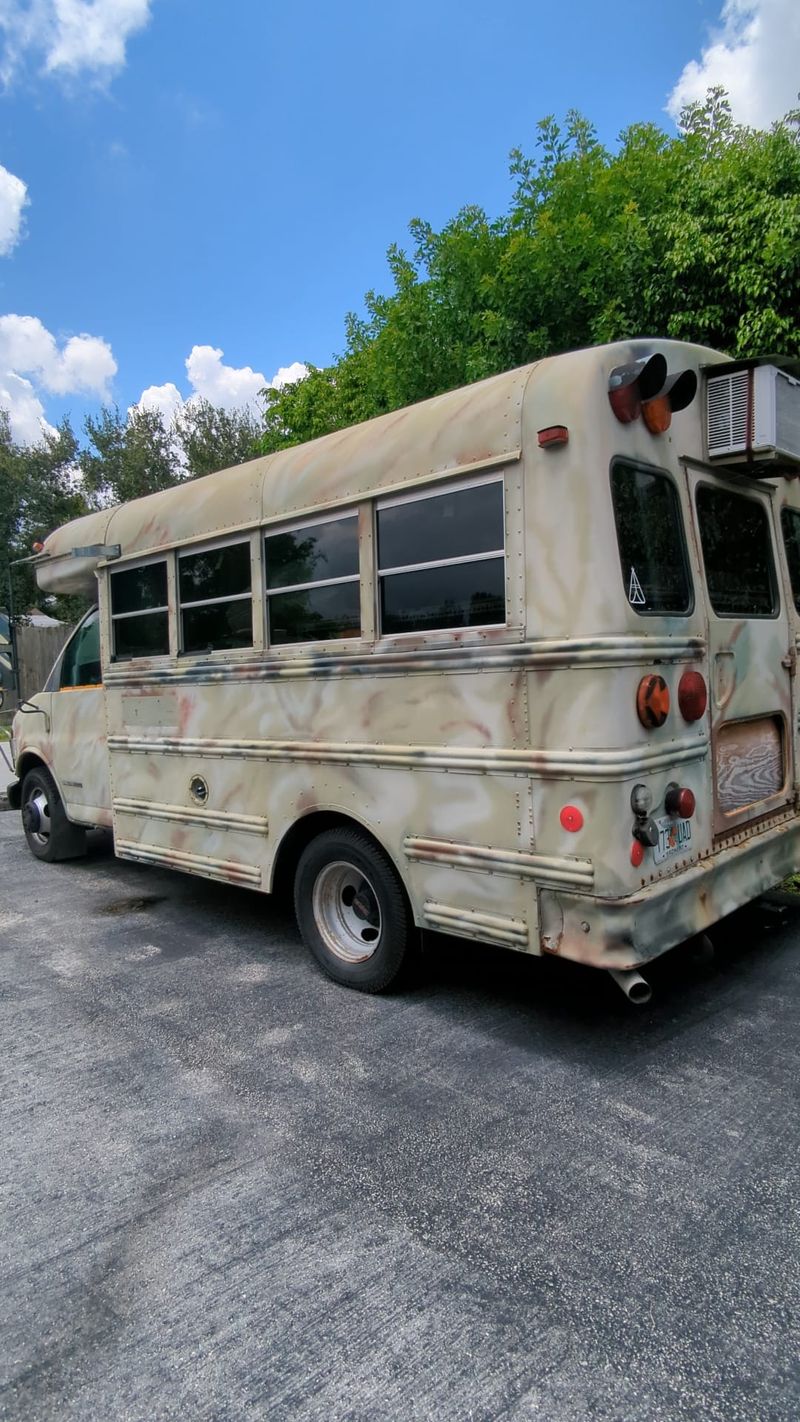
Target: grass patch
<point>792,884</point>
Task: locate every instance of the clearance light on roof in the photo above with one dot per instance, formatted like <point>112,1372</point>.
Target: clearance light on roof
<point>629,385</point>
<point>645,389</point>
<point>678,392</point>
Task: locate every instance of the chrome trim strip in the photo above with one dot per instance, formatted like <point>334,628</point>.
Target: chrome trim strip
<point>561,764</point>
<point>546,869</point>
<point>468,923</point>
<point>209,819</point>
<point>544,654</point>
<point>225,869</point>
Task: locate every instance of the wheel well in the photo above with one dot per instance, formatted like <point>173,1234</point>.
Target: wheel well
<point>27,761</point>
<point>301,834</point>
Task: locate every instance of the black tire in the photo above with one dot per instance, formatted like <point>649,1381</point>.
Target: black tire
<point>352,912</point>
<point>49,833</point>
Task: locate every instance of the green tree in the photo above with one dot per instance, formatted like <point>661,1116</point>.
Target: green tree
<point>694,237</point>
<point>39,489</point>
<point>211,438</point>
<point>128,456</point>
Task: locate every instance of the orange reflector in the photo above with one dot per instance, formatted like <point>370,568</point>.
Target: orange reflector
<point>652,702</point>
<point>571,819</point>
<point>554,434</point>
<point>637,854</point>
<point>38,547</point>
<point>692,696</point>
<point>657,414</point>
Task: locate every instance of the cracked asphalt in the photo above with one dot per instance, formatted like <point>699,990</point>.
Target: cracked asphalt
<point>231,1189</point>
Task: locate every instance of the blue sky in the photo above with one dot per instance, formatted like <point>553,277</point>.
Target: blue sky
<point>206,177</point>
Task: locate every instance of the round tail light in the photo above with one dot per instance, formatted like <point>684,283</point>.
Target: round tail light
<point>679,801</point>
<point>692,696</point>
<point>652,701</point>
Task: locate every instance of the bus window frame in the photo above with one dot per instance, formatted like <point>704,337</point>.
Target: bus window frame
<point>634,463</point>
<point>432,491</point>
<point>271,530</point>
<point>250,537</point>
<point>775,587</point>
<point>125,566</point>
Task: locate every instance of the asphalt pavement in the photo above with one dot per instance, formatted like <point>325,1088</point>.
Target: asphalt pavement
<point>231,1189</point>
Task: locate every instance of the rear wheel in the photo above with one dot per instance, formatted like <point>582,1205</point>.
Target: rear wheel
<point>352,911</point>
<point>49,833</point>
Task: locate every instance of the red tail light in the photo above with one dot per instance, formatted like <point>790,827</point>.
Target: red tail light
<point>679,801</point>
<point>692,696</point>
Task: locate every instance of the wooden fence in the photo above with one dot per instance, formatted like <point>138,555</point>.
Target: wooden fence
<point>37,649</point>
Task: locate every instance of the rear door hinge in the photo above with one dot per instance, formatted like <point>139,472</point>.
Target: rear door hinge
<point>790,661</point>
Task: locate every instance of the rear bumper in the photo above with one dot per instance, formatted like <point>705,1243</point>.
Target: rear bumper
<point>624,933</point>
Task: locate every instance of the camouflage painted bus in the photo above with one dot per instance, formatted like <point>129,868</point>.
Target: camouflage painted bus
<point>515,664</point>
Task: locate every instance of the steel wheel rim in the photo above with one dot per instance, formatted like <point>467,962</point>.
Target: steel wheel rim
<point>40,802</point>
<point>347,912</point>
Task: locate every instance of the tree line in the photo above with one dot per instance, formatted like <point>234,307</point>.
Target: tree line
<point>694,236</point>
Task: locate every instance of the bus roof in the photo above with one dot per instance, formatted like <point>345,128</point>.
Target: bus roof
<point>463,431</point>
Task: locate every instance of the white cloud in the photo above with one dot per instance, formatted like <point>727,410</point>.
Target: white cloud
<point>754,53</point>
<point>31,362</point>
<point>226,386</point>
<point>70,36</point>
<point>13,198</point>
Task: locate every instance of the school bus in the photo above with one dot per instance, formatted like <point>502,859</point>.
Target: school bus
<point>515,664</point>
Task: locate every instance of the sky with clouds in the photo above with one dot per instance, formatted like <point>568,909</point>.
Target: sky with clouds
<point>193,195</point>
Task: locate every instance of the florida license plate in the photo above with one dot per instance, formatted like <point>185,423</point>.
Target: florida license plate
<point>674,836</point>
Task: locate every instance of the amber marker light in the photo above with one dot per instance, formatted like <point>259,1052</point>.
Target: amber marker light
<point>652,702</point>
<point>38,547</point>
<point>692,696</point>
<point>657,414</point>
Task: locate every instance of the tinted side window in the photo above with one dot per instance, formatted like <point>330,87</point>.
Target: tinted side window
<point>734,532</point>
<point>313,583</point>
<point>790,522</point>
<point>441,560</point>
<point>652,547</point>
<point>80,664</point>
<point>216,605</point>
<point>139,616</point>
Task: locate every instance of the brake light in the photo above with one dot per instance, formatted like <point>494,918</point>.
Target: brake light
<point>692,696</point>
<point>652,702</point>
<point>679,801</point>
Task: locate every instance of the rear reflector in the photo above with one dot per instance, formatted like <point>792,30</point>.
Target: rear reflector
<point>554,434</point>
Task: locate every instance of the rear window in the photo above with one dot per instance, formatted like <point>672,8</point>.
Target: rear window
<point>790,522</point>
<point>734,532</point>
<point>652,546</point>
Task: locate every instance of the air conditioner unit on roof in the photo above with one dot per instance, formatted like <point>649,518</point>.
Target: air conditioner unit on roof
<point>753,415</point>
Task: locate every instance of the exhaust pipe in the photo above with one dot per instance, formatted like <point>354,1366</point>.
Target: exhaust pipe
<point>634,986</point>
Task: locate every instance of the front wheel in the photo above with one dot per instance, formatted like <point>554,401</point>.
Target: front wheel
<point>49,833</point>
<point>351,910</point>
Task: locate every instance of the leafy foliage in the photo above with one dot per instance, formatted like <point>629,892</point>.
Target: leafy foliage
<point>38,491</point>
<point>694,237</point>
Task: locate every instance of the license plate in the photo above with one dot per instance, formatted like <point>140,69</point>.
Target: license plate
<point>673,837</point>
